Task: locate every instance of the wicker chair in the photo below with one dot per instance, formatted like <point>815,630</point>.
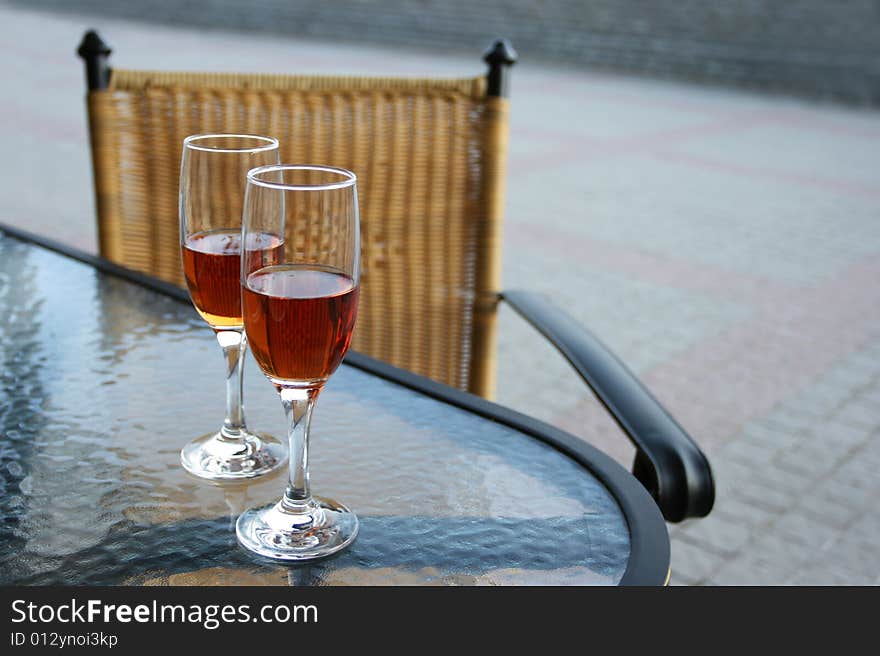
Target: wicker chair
<point>430,157</point>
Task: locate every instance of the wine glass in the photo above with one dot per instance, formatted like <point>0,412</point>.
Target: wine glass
<point>300,303</point>
<point>212,180</point>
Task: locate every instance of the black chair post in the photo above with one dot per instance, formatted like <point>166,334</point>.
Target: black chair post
<point>500,56</point>
<point>95,53</point>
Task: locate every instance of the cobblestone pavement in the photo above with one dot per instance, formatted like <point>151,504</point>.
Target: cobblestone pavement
<point>724,244</point>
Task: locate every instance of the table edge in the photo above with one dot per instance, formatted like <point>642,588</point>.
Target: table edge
<point>649,558</point>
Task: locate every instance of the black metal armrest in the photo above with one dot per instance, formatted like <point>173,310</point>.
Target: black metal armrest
<point>668,462</point>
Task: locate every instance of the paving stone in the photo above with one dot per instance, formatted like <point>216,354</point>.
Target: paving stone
<point>771,475</point>
<point>751,569</point>
<point>870,397</point>
<point>855,554</point>
<point>806,530</point>
<point>831,510</point>
<point>833,394</point>
<point>867,527</point>
<point>717,533</point>
<point>855,414</point>
<point>868,453</point>
<point>861,366</point>
<point>748,453</point>
<point>808,405</point>
<point>765,495</point>
<point>808,463</point>
<point>823,576</point>
<point>771,436</point>
<point>777,550</point>
<point>859,473</point>
<point>790,424</point>
<point>729,475</point>
<point>678,581</point>
<point>693,563</point>
<point>815,401</point>
<point>842,490</point>
<point>836,436</point>
<point>850,374</point>
<point>742,511</point>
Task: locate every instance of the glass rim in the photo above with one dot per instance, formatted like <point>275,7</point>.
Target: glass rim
<point>349,177</point>
<point>269,143</point>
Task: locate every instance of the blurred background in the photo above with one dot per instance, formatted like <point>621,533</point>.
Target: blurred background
<point>695,181</point>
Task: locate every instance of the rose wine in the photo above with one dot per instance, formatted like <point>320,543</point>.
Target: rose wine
<point>212,268</point>
<point>299,320</point>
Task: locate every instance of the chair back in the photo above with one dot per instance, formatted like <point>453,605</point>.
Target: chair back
<point>429,155</point>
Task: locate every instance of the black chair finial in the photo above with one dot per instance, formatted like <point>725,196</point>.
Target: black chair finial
<point>500,56</point>
<point>95,53</point>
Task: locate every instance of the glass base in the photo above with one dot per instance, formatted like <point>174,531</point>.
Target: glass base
<point>320,528</point>
<point>217,458</point>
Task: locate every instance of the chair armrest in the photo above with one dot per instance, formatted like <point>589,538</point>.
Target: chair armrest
<point>668,462</point>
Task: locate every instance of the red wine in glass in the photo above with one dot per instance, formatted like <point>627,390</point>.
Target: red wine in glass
<point>299,314</point>
<point>299,320</point>
<point>212,268</point>
<point>213,172</point>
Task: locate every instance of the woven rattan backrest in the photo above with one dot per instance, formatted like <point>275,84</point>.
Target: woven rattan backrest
<point>429,156</point>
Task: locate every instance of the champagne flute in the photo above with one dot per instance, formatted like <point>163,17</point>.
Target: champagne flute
<point>300,304</point>
<point>212,180</point>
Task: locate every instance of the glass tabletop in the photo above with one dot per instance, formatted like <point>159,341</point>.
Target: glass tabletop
<point>103,381</point>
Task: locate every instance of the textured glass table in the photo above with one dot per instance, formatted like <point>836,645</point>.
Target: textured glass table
<point>106,374</point>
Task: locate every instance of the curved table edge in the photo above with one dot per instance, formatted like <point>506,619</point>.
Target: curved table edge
<point>649,558</point>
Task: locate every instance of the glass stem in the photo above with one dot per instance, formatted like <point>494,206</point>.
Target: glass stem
<point>298,406</point>
<point>233,343</point>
